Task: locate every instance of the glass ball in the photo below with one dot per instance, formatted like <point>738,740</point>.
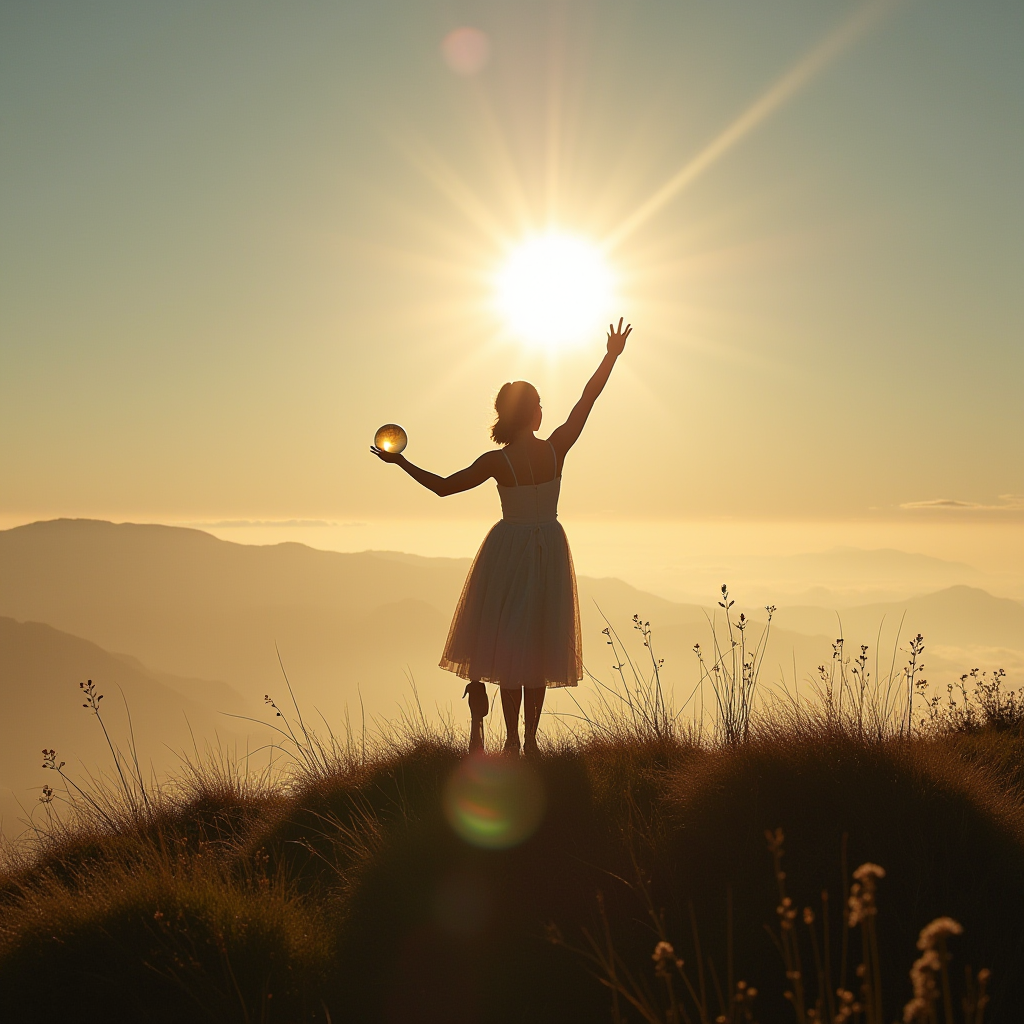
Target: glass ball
<point>391,438</point>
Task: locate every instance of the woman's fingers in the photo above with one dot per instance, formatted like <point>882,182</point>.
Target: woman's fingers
<point>617,332</point>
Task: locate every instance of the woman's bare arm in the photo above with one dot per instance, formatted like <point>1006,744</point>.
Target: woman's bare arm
<point>464,480</point>
<point>565,436</point>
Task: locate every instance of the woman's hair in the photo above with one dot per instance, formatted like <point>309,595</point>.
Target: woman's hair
<point>515,404</point>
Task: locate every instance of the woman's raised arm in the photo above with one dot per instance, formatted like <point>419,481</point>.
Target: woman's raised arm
<point>568,433</point>
<point>464,480</point>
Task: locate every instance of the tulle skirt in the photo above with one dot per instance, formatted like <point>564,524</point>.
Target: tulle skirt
<point>518,620</point>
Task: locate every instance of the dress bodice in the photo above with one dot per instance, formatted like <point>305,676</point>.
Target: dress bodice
<point>530,503</point>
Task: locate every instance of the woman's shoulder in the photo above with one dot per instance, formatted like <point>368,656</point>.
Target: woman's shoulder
<point>493,461</point>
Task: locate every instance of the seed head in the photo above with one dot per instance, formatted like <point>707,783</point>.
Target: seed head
<point>939,929</point>
<point>664,957</point>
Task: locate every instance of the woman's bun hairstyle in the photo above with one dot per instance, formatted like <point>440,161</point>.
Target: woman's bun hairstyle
<point>515,405</point>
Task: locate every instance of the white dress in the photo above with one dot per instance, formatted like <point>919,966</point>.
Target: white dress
<point>518,620</point>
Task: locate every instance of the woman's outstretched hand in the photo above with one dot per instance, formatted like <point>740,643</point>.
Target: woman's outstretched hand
<point>384,456</point>
<point>617,337</point>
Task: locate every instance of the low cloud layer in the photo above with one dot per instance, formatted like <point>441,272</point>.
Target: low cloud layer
<point>1010,503</point>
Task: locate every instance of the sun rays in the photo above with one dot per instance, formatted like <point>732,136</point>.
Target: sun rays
<point>519,265</point>
<point>784,89</point>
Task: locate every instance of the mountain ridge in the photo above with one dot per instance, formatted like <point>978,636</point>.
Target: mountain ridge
<point>40,669</point>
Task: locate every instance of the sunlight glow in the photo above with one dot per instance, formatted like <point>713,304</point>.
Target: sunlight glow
<point>555,290</point>
<point>781,92</point>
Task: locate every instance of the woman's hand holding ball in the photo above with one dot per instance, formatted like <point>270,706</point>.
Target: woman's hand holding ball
<point>389,442</point>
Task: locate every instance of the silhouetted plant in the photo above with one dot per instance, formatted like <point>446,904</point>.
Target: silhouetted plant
<point>872,704</point>
<point>684,995</point>
<point>733,670</point>
<point>634,707</point>
<point>678,995</point>
<point>984,706</point>
<point>217,854</point>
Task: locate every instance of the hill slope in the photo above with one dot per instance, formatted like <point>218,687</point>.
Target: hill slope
<point>40,668</point>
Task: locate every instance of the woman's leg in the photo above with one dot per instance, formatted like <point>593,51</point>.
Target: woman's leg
<point>478,708</point>
<point>534,704</point>
<point>511,701</point>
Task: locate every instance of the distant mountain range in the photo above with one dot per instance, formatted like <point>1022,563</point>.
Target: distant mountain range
<point>204,618</point>
<point>957,616</point>
<point>40,669</point>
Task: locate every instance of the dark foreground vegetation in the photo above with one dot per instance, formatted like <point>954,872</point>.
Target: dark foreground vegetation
<point>650,890</point>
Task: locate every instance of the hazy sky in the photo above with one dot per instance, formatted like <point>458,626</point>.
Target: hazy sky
<point>235,238</point>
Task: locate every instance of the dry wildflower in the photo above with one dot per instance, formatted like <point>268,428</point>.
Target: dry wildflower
<point>929,969</point>
<point>664,957</point>
<point>923,976</point>
<point>50,760</point>
<point>976,998</point>
<point>869,870</point>
<point>744,1002</point>
<point>848,1006</point>
<point>808,916</point>
<point>775,840</point>
<point>91,695</point>
<point>940,928</point>
<point>862,893</point>
<point>786,911</point>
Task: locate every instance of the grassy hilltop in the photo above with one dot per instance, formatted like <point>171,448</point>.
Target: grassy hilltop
<point>342,893</point>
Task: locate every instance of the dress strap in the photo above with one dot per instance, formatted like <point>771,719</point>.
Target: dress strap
<point>554,455</point>
<point>509,461</point>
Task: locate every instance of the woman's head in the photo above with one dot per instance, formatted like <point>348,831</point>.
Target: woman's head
<point>518,409</point>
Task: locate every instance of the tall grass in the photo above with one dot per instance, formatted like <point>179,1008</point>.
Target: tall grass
<point>634,705</point>
<point>875,702</point>
<point>819,986</point>
<point>637,705</point>
<point>309,890</point>
<point>733,669</point>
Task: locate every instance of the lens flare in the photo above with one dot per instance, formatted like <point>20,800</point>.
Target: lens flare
<point>391,438</point>
<point>555,290</point>
<point>466,50</point>
<point>494,802</point>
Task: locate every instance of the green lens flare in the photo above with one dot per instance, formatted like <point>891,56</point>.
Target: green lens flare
<point>494,802</point>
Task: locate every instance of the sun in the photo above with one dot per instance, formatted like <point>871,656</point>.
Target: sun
<point>555,290</point>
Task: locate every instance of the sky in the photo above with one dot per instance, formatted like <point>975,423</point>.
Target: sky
<point>236,238</point>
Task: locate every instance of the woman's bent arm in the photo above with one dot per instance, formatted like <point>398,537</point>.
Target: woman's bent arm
<point>568,433</point>
<point>464,480</point>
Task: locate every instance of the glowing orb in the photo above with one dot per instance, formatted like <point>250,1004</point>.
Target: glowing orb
<point>494,802</point>
<point>555,290</point>
<point>466,50</point>
<point>391,438</point>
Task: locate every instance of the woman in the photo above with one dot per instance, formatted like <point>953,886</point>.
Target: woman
<point>517,623</point>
